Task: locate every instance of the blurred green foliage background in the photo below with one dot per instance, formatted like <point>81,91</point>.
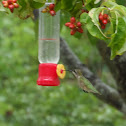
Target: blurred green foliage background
<point>23,103</point>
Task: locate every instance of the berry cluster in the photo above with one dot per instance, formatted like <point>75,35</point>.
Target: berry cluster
<point>74,26</point>
<point>103,19</point>
<point>50,9</point>
<point>11,4</point>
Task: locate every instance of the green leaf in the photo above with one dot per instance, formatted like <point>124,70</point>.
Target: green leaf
<point>88,1</point>
<point>67,5</point>
<point>89,4</point>
<point>58,6</point>
<point>25,11</point>
<point>92,29</point>
<point>93,40</point>
<point>22,3</point>
<point>122,50</point>
<point>94,14</point>
<point>118,19</point>
<point>84,18</point>
<point>115,7</point>
<point>118,42</point>
<point>77,8</point>
<point>111,0</point>
<point>122,2</point>
<point>95,29</point>
<point>97,1</point>
<point>35,4</point>
<point>40,1</point>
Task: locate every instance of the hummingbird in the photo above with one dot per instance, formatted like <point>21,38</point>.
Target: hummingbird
<point>83,83</point>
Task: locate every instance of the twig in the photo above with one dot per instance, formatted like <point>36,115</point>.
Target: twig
<point>83,3</point>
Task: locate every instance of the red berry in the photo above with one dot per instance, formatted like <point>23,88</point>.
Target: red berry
<point>103,26</point>
<point>72,20</point>
<point>15,5</point>
<point>51,6</point>
<point>3,2</point>
<point>80,30</point>
<point>78,24</point>
<point>52,12</point>
<point>71,26</point>
<point>11,7</point>
<point>5,5</point>
<point>9,2</point>
<point>67,24</point>
<point>73,31</point>
<point>104,21</point>
<point>105,16</point>
<point>14,1</point>
<point>101,17</point>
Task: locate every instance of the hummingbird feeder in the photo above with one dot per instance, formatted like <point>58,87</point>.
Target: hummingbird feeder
<point>49,46</point>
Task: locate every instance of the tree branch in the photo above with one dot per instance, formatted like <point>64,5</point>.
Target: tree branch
<point>109,95</point>
<point>116,66</point>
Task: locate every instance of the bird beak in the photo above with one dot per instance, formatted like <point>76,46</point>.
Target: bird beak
<point>69,70</point>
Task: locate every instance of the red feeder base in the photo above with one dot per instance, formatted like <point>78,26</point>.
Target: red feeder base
<point>48,75</point>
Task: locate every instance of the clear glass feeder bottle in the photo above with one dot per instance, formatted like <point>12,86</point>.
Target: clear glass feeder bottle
<point>49,46</point>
